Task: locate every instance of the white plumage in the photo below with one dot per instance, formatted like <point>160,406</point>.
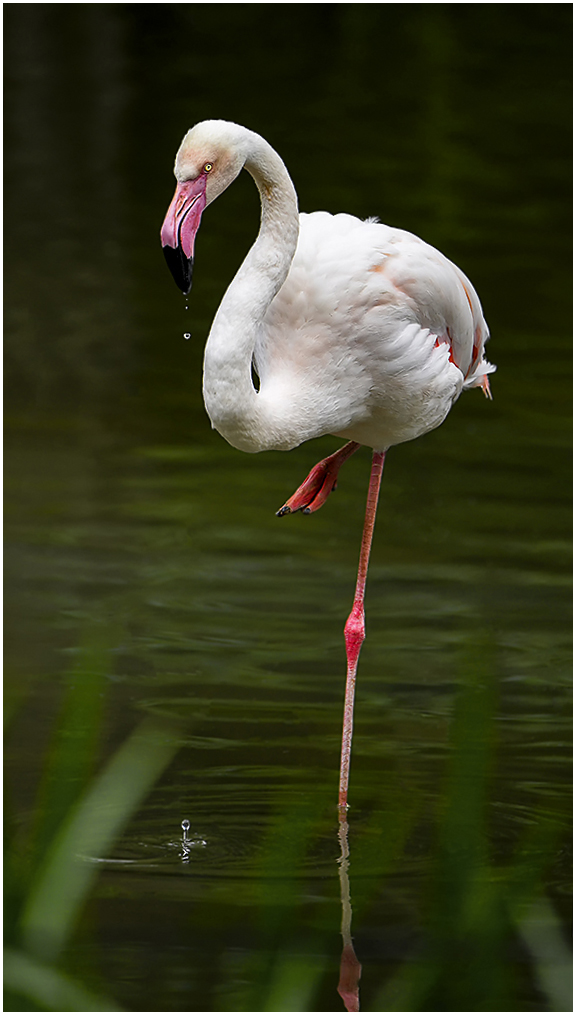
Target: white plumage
<point>363,337</point>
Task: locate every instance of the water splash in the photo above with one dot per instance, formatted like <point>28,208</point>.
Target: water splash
<point>189,844</point>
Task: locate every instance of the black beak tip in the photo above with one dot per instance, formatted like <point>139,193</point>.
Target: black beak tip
<point>180,267</point>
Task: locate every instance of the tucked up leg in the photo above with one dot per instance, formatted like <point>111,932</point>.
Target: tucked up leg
<point>319,483</point>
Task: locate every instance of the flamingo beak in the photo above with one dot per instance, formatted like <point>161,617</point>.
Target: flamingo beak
<point>180,227</point>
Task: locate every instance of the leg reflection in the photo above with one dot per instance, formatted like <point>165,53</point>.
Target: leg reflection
<point>350,968</point>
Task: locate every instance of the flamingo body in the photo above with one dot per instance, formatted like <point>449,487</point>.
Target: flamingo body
<point>372,336</point>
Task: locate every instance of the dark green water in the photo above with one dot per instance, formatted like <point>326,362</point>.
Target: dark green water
<point>149,579</point>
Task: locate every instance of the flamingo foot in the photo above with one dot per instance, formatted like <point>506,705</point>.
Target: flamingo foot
<point>319,483</point>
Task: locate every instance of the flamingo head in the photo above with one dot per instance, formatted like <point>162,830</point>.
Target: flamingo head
<point>208,160</point>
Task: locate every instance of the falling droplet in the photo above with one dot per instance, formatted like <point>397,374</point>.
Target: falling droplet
<point>185,826</point>
<point>186,335</point>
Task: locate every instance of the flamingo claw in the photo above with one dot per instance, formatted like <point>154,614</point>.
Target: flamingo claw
<point>485,385</point>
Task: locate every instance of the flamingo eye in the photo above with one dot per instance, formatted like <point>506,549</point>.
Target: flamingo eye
<point>207,167</point>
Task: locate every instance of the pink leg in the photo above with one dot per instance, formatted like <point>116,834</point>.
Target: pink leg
<point>354,631</point>
<point>319,483</point>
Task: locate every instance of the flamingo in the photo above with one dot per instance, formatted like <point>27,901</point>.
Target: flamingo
<point>352,328</point>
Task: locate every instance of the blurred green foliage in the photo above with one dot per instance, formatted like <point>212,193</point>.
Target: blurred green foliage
<point>51,865</point>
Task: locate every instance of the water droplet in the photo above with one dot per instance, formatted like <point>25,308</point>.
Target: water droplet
<point>185,826</point>
<point>187,335</point>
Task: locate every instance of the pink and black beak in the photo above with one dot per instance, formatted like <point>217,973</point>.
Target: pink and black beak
<point>180,227</point>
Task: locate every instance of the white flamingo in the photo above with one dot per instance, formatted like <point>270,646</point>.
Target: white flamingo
<point>354,329</point>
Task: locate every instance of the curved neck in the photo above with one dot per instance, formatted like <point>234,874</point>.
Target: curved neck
<point>229,394</point>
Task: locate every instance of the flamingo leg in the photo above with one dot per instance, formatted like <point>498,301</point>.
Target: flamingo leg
<point>354,630</point>
<point>319,483</point>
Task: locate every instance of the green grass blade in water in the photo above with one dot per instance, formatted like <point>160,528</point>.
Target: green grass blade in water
<point>48,988</point>
<point>71,760</point>
<point>92,826</point>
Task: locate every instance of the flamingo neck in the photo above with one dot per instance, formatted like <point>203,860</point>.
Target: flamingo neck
<point>231,400</point>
